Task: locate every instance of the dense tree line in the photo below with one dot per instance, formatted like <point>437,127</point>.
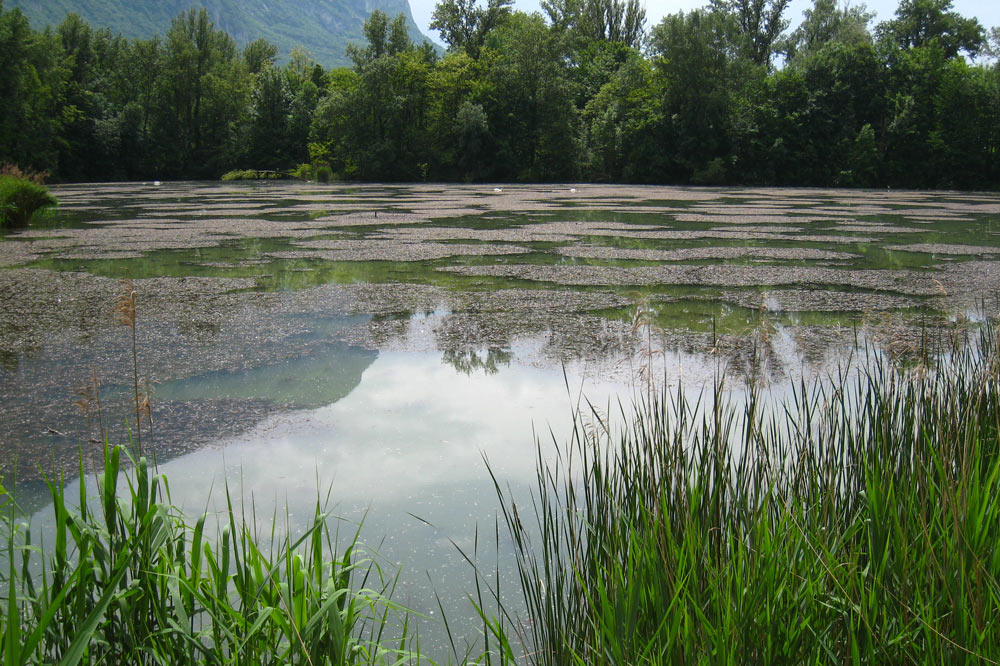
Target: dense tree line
<point>722,94</point>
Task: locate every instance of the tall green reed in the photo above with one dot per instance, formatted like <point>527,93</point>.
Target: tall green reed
<point>856,523</point>
<point>128,579</point>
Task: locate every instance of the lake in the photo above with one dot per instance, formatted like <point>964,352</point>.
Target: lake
<point>378,342</point>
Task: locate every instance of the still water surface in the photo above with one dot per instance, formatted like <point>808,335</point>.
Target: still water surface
<point>382,342</point>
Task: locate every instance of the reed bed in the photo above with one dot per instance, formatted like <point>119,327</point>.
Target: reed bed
<point>127,579</point>
<point>857,524</point>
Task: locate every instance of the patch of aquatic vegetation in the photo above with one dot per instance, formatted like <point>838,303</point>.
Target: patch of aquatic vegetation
<point>877,253</point>
<point>493,220</point>
<point>52,219</point>
<point>618,240</point>
<point>490,221</point>
<point>638,203</point>
<point>306,273</point>
<point>253,174</point>
<point>704,315</point>
<point>237,258</point>
<point>251,258</point>
<point>555,258</point>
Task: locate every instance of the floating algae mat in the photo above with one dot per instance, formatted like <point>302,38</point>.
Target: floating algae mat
<point>383,340</point>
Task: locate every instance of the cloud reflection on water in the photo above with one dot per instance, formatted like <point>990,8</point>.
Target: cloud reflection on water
<point>412,426</point>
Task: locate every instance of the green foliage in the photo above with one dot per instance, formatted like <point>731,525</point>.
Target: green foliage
<point>464,25</point>
<point>268,124</point>
<point>864,160</point>
<point>32,76</point>
<point>696,58</point>
<point>131,580</point>
<point>374,122</point>
<point>205,88</point>
<point>318,171</point>
<point>303,172</point>
<point>529,102</point>
<point>323,173</point>
<point>519,99</point>
<point>713,173</point>
<point>385,38</point>
<point>814,113</point>
<point>471,131</point>
<point>255,174</point>
<point>966,111</point>
<point>760,23</point>
<point>587,21</point>
<point>826,23</point>
<point>20,198</point>
<point>856,524</point>
<point>920,23</point>
<point>451,85</point>
<point>259,55</point>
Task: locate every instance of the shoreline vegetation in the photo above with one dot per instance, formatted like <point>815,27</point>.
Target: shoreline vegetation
<point>22,194</point>
<point>130,580</point>
<point>854,523</point>
<point>588,92</point>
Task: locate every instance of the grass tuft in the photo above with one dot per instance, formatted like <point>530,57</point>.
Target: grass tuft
<point>22,194</point>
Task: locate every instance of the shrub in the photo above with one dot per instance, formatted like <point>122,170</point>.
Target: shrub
<point>14,171</point>
<point>20,197</point>
<point>254,174</point>
<point>713,173</point>
<point>303,172</point>
<point>241,174</point>
<point>323,173</point>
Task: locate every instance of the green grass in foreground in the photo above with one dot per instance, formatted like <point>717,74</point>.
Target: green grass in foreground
<point>131,581</point>
<point>859,524</point>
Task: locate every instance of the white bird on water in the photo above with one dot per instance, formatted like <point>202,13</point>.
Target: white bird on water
<point>497,190</point>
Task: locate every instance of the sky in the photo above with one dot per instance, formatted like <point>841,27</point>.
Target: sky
<point>987,11</point>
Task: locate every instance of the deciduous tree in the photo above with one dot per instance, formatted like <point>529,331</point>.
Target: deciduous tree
<point>464,24</point>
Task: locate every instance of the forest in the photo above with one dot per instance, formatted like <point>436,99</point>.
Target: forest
<point>584,91</point>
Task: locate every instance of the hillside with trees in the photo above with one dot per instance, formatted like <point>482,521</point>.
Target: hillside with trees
<point>324,28</point>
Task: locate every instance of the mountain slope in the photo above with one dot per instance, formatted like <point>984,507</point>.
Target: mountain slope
<point>322,27</point>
